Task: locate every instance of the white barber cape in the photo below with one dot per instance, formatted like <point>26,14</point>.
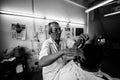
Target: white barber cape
<point>60,71</point>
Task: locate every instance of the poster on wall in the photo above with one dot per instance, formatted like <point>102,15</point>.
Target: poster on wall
<point>38,33</point>
<point>18,31</point>
<point>41,30</point>
<point>68,32</point>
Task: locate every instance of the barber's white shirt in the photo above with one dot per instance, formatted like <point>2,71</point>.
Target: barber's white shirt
<point>50,47</point>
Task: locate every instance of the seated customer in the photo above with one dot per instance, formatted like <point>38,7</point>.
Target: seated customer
<point>94,57</point>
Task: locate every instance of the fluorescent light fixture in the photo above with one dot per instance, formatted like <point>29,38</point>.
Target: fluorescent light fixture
<point>97,6</point>
<point>75,4</point>
<point>50,19</point>
<point>77,25</point>
<point>64,21</point>
<point>19,14</point>
<point>33,16</point>
<point>73,23</point>
<point>111,13</point>
<point>53,18</point>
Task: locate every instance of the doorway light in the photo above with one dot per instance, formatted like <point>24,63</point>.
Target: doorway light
<point>114,13</point>
<point>99,5</point>
<point>75,4</point>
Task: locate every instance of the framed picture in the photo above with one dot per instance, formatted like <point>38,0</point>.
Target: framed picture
<point>78,31</point>
<point>18,31</point>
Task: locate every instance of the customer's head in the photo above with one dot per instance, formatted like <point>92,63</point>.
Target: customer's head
<point>54,30</point>
<point>19,52</point>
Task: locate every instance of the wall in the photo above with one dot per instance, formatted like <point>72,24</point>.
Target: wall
<point>95,25</point>
<point>106,26</point>
<point>52,9</point>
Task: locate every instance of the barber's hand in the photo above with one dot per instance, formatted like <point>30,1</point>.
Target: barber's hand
<point>70,52</point>
<point>67,58</point>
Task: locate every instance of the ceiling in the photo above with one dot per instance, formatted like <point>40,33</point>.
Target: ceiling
<point>110,24</point>
<point>90,3</point>
<point>87,3</point>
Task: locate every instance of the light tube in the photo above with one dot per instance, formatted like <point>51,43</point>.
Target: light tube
<point>97,6</point>
<point>33,16</point>
<point>19,14</point>
<point>64,21</point>
<point>111,13</point>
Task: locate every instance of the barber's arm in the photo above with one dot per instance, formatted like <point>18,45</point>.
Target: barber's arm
<point>49,59</point>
